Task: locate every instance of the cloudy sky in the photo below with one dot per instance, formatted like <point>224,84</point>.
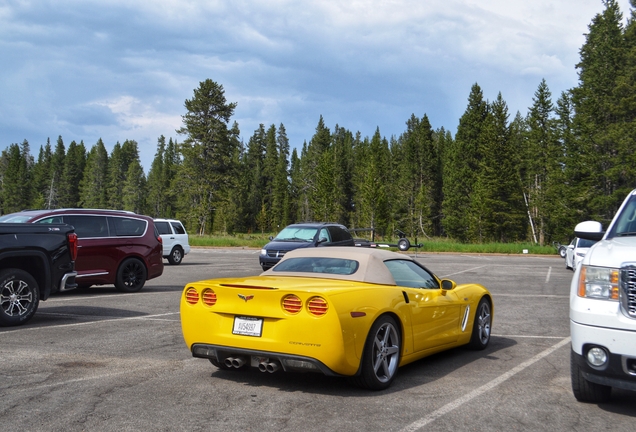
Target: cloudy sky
<point>122,69</point>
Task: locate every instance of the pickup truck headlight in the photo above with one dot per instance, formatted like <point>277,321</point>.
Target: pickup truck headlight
<point>598,283</point>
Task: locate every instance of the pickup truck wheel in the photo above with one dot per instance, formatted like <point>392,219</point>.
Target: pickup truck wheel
<point>585,391</point>
<point>19,297</point>
<point>176,256</point>
<point>131,276</point>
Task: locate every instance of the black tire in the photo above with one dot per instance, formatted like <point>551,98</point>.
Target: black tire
<point>265,268</point>
<point>585,391</point>
<point>176,256</point>
<point>19,297</point>
<point>404,244</point>
<point>131,275</point>
<point>562,251</point>
<point>381,355</point>
<point>480,337</point>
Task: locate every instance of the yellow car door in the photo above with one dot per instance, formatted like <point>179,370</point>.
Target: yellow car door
<point>435,317</point>
<point>435,313</point>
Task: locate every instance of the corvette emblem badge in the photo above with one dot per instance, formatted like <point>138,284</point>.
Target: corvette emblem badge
<point>246,298</point>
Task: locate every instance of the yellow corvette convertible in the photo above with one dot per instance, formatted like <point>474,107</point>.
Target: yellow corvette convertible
<point>341,311</point>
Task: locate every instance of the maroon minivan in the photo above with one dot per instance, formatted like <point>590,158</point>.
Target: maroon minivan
<point>114,246</point>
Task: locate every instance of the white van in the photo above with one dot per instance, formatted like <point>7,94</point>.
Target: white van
<point>175,240</point>
<point>603,308</point>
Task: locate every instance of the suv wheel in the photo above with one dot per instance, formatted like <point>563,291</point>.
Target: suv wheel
<point>176,256</point>
<point>131,276</point>
<point>19,297</point>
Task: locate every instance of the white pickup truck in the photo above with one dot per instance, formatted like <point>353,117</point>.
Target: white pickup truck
<point>603,308</point>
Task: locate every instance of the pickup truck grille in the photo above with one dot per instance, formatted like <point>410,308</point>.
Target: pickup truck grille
<point>628,288</point>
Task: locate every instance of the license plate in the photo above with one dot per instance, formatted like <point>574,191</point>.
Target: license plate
<point>248,326</point>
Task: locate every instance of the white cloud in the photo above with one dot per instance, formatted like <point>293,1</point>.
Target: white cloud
<point>116,69</point>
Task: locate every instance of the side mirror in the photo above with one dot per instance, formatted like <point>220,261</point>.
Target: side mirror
<point>448,285</point>
<point>589,230</point>
<point>271,238</point>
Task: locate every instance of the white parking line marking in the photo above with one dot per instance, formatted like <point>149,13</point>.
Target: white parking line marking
<point>483,389</point>
<point>532,295</point>
<point>144,317</point>
<point>111,296</point>
<point>464,271</point>
<point>547,278</point>
<point>527,336</point>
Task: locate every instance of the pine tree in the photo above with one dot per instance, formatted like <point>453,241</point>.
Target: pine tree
<point>543,155</point>
<point>208,153</point>
<point>281,194</point>
<point>253,183</point>
<point>15,178</point>
<point>157,192</point>
<point>171,166</point>
<point>461,167</point>
<point>116,179</point>
<point>418,174</point>
<point>42,177</point>
<point>57,168</point>
<point>497,205</point>
<point>72,173</point>
<point>370,184</point>
<point>315,170</point>
<point>93,187</point>
<point>295,188</point>
<point>595,100</point>
<point>342,145</point>
<point>134,190</point>
<point>572,182</point>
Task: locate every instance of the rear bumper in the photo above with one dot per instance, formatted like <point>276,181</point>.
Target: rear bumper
<point>68,281</point>
<point>288,362</point>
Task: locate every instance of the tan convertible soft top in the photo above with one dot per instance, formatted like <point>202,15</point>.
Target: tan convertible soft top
<point>371,263</point>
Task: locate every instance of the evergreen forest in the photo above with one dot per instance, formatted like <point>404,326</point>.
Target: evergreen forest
<point>501,178</point>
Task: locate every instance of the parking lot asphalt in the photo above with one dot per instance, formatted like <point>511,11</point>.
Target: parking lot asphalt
<point>101,360</point>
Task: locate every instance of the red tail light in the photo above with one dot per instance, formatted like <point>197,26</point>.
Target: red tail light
<point>191,296</point>
<point>72,245</point>
<point>317,306</point>
<point>208,297</point>
<point>292,304</point>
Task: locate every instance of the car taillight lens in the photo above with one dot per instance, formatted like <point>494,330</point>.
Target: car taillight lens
<point>292,304</point>
<point>191,296</point>
<point>208,297</point>
<point>72,245</point>
<point>317,306</point>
